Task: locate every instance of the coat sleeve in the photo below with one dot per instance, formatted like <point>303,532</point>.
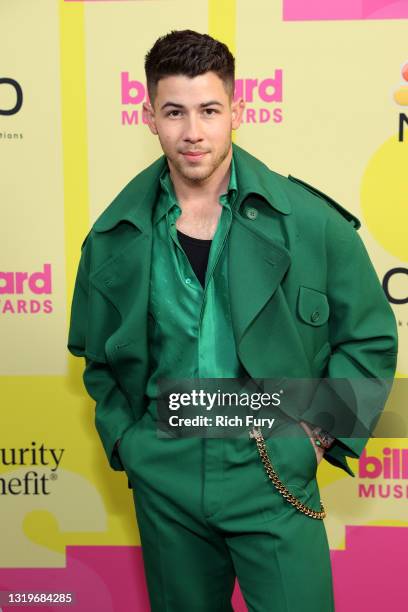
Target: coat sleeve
<point>113,414</point>
<point>364,340</point>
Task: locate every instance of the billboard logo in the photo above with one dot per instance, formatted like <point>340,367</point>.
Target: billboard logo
<point>393,465</point>
<point>20,283</point>
<point>263,98</point>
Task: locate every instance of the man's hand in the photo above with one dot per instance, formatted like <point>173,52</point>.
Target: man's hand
<point>318,449</point>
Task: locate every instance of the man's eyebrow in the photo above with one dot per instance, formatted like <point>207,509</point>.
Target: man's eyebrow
<point>211,103</point>
<point>202,105</point>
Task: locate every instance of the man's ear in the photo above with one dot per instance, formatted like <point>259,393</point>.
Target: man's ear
<point>237,110</point>
<point>148,112</point>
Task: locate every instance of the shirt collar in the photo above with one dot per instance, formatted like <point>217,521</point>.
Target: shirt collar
<point>167,197</point>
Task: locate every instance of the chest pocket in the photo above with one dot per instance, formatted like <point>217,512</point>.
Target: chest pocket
<point>313,306</point>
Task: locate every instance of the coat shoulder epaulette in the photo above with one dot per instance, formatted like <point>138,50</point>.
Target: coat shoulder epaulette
<point>343,211</point>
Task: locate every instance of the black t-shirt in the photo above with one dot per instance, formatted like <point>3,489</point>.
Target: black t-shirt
<point>197,251</point>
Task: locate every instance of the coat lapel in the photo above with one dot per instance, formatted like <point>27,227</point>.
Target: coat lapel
<point>256,267</point>
<point>124,276</point>
<point>125,232</point>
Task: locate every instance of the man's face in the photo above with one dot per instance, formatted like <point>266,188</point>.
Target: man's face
<point>193,118</point>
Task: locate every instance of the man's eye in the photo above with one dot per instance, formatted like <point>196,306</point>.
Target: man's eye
<point>173,113</point>
<point>210,111</point>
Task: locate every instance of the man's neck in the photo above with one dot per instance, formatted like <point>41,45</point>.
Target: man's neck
<point>208,190</point>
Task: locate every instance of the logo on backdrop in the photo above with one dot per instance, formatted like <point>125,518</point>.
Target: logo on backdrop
<point>16,289</point>
<point>263,99</point>
<point>384,476</point>
<point>6,82</point>
<point>33,481</point>
<point>11,101</point>
<point>390,275</point>
<point>401,98</point>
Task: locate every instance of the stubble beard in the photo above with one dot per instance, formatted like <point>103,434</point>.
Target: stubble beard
<point>199,174</point>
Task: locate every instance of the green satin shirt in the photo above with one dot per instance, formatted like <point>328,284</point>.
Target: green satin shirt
<point>190,329</point>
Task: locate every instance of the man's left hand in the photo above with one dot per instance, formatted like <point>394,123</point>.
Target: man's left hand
<point>318,449</point>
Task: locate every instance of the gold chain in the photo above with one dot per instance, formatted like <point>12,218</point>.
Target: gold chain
<point>260,442</point>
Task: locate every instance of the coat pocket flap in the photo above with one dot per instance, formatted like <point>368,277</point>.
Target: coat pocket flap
<point>313,306</point>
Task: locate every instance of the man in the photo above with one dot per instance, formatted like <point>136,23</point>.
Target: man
<point>210,265</point>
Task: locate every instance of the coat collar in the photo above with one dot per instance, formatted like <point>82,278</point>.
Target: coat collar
<point>255,178</point>
<point>137,199</point>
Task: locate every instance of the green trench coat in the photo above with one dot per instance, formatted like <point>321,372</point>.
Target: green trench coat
<point>305,299</point>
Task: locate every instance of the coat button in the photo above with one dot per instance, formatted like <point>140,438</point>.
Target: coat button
<point>251,213</point>
<point>315,316</point>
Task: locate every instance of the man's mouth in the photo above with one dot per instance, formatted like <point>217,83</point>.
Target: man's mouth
<point>194,155</point>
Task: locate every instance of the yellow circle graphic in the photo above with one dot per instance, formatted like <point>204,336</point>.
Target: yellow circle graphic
<point>384,196</point>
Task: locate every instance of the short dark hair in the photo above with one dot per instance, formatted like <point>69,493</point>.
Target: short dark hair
<point>188,53</point>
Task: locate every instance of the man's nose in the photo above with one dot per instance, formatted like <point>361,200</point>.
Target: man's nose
<point>192,130</point>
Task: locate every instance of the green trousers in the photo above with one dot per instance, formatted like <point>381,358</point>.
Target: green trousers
<point>208,513</point>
